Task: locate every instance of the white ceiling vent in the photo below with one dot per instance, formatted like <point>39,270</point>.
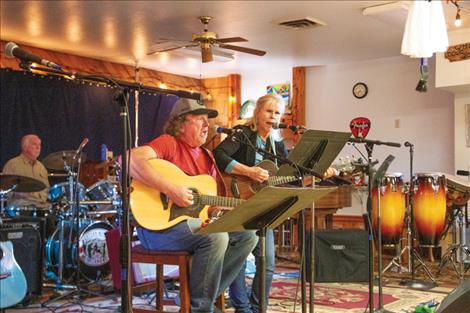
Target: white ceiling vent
<point>302,23</point>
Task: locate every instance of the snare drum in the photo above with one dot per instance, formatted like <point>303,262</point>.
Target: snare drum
<point>392,208</point>
<point>429,207</point>
<point>102,190</point>
<point>93,251</point>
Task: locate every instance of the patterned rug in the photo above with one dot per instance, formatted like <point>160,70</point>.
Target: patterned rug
<point>284,297</point>
<point>347,297</point>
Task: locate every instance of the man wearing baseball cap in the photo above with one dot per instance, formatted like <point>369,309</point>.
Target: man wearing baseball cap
<point>218,257</point>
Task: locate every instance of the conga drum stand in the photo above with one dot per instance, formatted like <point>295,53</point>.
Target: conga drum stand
<point>458,251</point>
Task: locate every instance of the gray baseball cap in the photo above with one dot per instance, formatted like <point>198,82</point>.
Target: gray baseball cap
<point>190,106</point>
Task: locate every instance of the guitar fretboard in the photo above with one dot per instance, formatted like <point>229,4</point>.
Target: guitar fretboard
<point>219,201</point>
<point>279,180</point>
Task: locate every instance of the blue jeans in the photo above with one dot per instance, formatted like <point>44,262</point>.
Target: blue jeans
<point>217,258</point>
<point>244,301</point>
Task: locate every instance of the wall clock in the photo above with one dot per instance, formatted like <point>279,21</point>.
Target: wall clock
<point>360,90</point>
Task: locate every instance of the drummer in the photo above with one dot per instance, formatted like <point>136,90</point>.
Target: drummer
<point>27,164</point>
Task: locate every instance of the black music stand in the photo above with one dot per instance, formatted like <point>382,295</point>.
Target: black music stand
<point>268,208</point>
<point>313,154</point>
<point>375,182</point>
<point>316,150</point>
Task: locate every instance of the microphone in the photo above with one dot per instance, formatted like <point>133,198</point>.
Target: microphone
<point>12,50</point>
<point>294,128</point>
<point>408,144</point>
<point>375,142</point>
<point>463,173</point>
<point>82,145</point>
<point>228,131</point>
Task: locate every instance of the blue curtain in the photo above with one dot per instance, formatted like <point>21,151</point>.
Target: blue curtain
<point>63,112</point>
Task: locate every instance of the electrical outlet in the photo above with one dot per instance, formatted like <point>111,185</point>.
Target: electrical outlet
<point>397,123</point>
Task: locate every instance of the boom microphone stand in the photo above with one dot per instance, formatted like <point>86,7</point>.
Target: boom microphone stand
<point>377,182</point>
<point>369,145</point>
<point>121,98</point>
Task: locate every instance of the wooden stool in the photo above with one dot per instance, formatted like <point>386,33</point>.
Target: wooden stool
<point>181,258</point>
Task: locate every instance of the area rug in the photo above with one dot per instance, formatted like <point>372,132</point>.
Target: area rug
<point>331,296</point>
<point>347,297</point>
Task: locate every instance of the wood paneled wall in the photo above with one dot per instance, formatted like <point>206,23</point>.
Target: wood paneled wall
<point>75,63</point>
<point>221,93</point>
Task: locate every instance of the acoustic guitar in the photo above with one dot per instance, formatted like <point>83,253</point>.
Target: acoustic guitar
<point>13,284</point>
<point>153,210</point>
<point>244,187</point>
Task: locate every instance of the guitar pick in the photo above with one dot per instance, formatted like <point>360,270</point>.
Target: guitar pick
<point>360,127</point>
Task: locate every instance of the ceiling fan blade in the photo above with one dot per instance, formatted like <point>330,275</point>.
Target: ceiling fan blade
<point>243,49</point>
<point>231,39</point>
<point>163,45</point>
<point>206,53</point>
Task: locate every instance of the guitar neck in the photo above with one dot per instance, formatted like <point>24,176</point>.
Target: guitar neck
<point>219,201</point>
<point>279,180</point>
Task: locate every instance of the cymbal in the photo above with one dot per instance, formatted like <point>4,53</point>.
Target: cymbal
<point>58,160</point>
<point>23,183</point>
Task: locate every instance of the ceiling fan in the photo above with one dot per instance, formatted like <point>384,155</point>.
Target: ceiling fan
<point>205,40</point>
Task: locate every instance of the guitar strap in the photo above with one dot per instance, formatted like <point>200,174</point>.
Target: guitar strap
<point>221,187</point>
<point>271,149</point>
<point>273,146</point>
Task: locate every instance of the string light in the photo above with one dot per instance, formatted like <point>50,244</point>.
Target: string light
<point>458,21</point>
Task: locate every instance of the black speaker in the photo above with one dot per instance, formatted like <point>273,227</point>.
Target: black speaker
<point>26,241</point>
<point>458,301</point>
<point>341,255</point>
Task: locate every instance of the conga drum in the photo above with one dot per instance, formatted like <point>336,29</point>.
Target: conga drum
<point>429,207</point>
<point>392,208</point>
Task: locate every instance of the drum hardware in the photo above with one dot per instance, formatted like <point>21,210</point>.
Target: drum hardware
<point>86,246</point>
<point>413,283</point>
<point>57,174</point>
<point>458,251</point>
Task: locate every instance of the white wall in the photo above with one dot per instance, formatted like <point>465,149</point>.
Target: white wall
<point>455,77</point>
<point>254,84</point>
<point>426,119</point>
<point>454,73</point>
<point>462,152</point>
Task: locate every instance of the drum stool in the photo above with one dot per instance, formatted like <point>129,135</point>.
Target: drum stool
<point>180,258</point>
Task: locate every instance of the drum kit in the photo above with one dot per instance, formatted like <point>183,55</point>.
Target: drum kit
<point>425,209</point>
<point>75,245</point>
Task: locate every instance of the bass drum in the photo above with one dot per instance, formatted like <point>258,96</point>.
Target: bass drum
<point>93,251</point>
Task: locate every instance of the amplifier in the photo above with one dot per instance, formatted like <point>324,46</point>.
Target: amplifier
<point>27,251</point>
<point>341,255</point>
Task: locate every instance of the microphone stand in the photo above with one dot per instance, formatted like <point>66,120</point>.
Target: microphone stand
<point>125,245</point>
<point>122,99</point>
<point>369,145</point>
